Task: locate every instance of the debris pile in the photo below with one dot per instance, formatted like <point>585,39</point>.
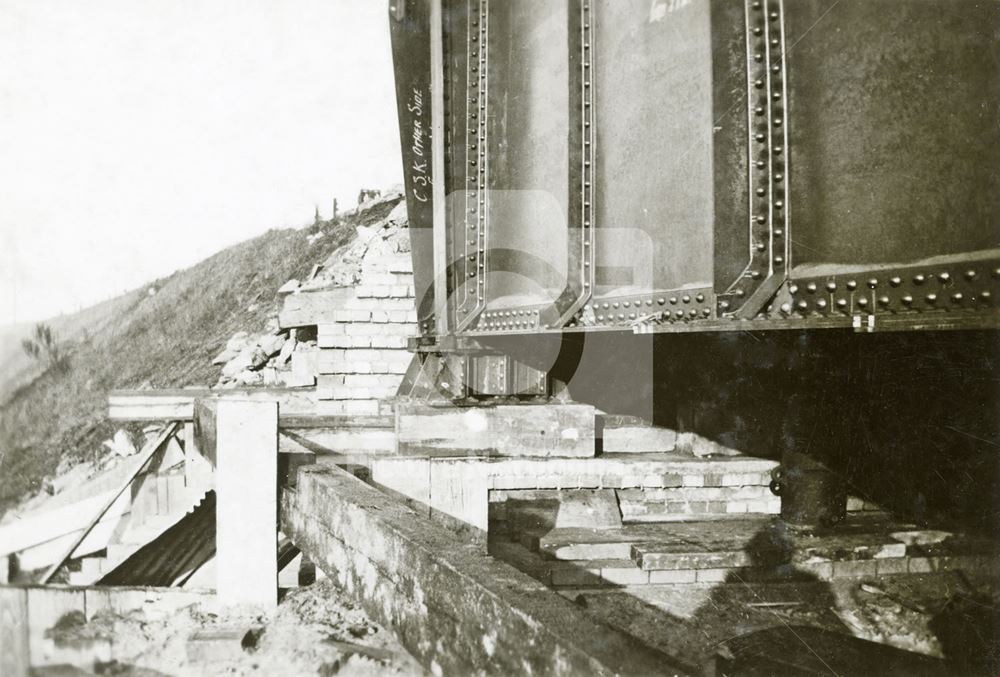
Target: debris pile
<point>281,357</point>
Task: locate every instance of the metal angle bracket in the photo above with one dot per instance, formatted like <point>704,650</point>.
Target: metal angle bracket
<point>471,269</point>
<point>767,149</point>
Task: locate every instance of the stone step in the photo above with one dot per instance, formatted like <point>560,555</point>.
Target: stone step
<point>627,434</point>
<point>693,503</point>
<point>527,430</point>
<point>765,549</point>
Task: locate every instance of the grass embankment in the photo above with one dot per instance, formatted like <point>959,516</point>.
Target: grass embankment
<point>163,340</point>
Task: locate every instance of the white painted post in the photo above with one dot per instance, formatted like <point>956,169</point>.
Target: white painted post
<point>247,502</point>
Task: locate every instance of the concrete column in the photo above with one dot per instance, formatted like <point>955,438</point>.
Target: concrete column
<point>247,502</point>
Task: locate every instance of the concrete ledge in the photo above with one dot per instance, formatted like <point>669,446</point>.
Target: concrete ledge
<point>457,610</point>
<point>546,430</point>
<point>178,404</point>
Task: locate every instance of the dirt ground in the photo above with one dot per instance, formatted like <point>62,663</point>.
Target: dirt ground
<point>315,630</point>
<point>944,615</point>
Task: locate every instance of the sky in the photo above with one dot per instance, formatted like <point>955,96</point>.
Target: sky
<point>139,137</point>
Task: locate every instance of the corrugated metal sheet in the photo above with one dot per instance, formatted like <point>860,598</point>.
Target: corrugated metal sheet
<point>172,557</point>
<point>176,555</point>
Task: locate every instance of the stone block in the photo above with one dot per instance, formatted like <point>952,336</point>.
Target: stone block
<point>313,308</point>
<point>850,569</point>
<point>513,430</point>
<point>624,438</point>
<point>672,576</point>
<point>625,575</point>
<point>712,575</point>
<point>590,509</point>
<point>346,407</point>
<point>895,565</point>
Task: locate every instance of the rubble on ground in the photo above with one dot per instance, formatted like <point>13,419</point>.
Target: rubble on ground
<point>314,631</point>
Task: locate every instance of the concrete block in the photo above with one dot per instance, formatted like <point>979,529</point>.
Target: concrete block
<point>410,477</point>
<point>246,508</point>
<point>588,509</point>
<point>514,430</point>
<point>676,576</point>
<point>849,569</point>
<point>345,407</point>
<point>887,567</point>
<point>822,570</point>
<point>625,576</point>
<point>637,439</point>
<point>712,575</point>
<point>390,341</point>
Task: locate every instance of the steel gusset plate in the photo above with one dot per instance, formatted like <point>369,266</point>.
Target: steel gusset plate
<point>511,319</point>
<point>767,147</point>
<point>581,263</point>
<point>970,286</point>
<point>638,310</point>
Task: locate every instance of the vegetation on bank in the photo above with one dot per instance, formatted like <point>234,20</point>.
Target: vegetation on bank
<point>163,335</point>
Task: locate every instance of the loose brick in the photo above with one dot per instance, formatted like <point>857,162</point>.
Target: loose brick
<point>693,481</point>
<point>890,550</point>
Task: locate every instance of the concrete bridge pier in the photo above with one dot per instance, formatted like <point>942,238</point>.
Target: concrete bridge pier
<point>247,502</point>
